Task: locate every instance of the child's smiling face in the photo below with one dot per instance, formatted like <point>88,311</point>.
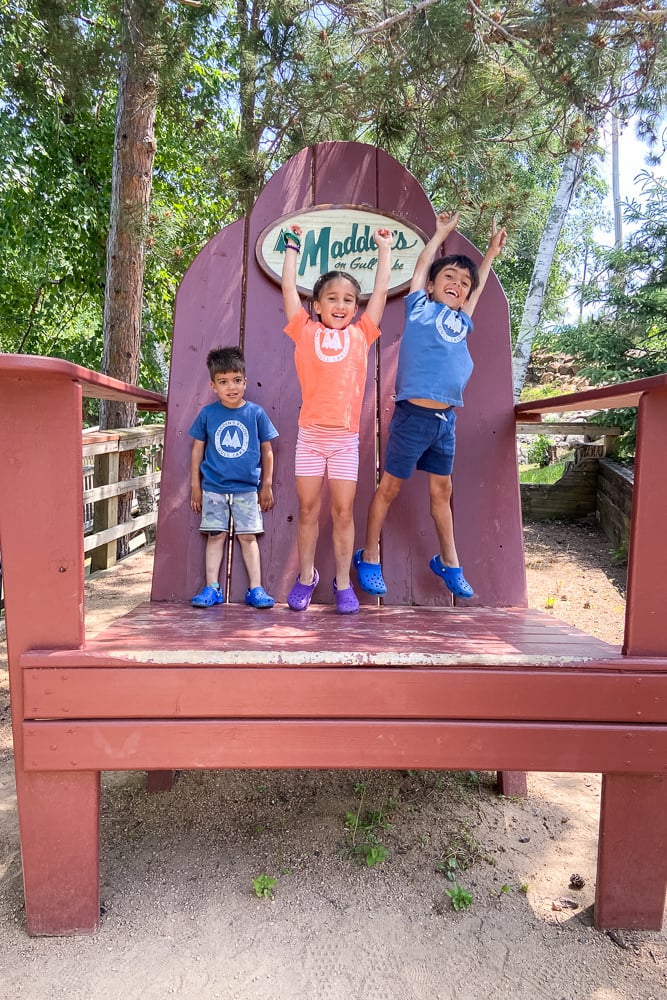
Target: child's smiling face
<point>337,304</point>
<point>229,387</point>
<point>452,286</point>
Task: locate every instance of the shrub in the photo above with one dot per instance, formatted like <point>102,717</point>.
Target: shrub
<point>539,452</point>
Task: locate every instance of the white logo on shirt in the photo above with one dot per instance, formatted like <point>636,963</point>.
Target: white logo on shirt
<point>231,439</point>
<point>447,321</point>
<point>332,340</point>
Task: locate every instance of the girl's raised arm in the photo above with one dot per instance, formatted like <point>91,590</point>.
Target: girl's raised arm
<point>291,299</point>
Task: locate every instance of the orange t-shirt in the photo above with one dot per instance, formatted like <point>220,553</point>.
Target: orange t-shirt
<point>331,366</point>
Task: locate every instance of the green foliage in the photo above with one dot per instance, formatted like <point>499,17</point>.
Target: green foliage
<point>460,897</point>
<point>545,474</point>
<point>480,113</point>
<point>539,451</point>
<point>626,337</point>
<point>264,886</point>
<point>529,393</point>
<point>363,827</point>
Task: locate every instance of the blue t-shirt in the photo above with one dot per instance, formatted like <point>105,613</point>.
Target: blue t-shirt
<point>433,360</point>
<point>232,456</point>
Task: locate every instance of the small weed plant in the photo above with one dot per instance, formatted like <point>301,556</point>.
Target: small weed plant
<point>264,886</point>
<point>364,826</point>
<point>460,897</point>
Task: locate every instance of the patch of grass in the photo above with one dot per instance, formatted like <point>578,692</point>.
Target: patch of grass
<point>543,390</point>
<point>541,474</point>
<point>363,826</point>
<point>462,852</point>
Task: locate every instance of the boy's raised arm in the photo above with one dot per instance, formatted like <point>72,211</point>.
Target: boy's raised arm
<point>445,224</point>
<point>378,298</point>
<point>291,299</point>
<point>496,244</point>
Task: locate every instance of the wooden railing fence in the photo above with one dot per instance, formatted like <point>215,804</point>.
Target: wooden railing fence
<point>102,488</point>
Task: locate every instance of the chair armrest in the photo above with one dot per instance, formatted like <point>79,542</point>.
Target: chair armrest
<point>93,384</point>
<point>607,397</point>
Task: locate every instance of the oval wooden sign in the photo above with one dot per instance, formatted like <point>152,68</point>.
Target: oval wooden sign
<point>340,238</point>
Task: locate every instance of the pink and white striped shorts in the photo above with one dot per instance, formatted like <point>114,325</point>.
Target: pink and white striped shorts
<point>320,448</point>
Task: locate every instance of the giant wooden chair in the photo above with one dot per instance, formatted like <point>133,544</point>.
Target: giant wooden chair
<point>411,682</point>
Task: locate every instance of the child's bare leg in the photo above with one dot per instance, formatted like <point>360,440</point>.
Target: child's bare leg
<point>386,493</point>
<point>308,492</point>
<point>251,560</point>
<point>342,517</point>
<point>215,547</point>
<point>440,489</point>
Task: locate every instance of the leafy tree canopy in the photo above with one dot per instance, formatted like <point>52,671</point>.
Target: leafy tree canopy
<point>480,102</point>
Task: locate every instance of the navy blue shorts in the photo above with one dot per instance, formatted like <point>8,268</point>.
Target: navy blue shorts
<point>420,438</point>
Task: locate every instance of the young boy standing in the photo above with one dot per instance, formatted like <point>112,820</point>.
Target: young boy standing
<point>434,366</point>
<point>231,472</point>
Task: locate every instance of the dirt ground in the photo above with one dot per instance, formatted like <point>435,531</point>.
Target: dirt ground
<point>183,919</point>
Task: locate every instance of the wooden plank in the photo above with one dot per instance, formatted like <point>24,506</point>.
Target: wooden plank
<point>647,565</point>
<point>144,745</point>
<point>632,862</point>
<point>92,385</point>
<point>105,515</point>
<point>125,486</point>
<point>272,382</point>
<point>125,439</point>
<point>118,531</point>
<point>153,692</point>
<point>557,429</point>
<point>59,813</point>
<point>207,315</point>
<point>391,636</point>
<point>601,398</point>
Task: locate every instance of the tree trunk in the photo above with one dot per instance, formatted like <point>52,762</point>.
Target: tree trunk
<point>134,152</point>
<point>532,310</point>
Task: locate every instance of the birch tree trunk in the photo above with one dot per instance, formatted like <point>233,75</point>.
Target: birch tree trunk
<point>132,177</point>
<point>532,310</point>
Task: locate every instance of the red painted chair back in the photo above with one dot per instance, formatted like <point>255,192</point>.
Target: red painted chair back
<point>225,298</point>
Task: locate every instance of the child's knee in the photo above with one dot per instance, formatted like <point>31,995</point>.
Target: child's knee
<point>440,488</point>
<point>246,539</point>
<point>389,488</point>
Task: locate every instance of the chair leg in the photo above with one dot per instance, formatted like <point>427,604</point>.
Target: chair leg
<point>160,781</point>
<point>59,819</point>
<point>632,861</point>
<point>512,783</point>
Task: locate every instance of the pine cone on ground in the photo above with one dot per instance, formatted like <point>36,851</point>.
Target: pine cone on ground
<point>577,881</point>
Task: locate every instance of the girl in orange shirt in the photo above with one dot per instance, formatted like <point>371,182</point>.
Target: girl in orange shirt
<point>331,359</point>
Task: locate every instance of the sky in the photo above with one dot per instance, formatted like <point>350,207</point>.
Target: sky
<point>632,160</point>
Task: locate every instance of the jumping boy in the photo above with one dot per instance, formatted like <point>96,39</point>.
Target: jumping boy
<point>434,366</point>
<point>231,473</point>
